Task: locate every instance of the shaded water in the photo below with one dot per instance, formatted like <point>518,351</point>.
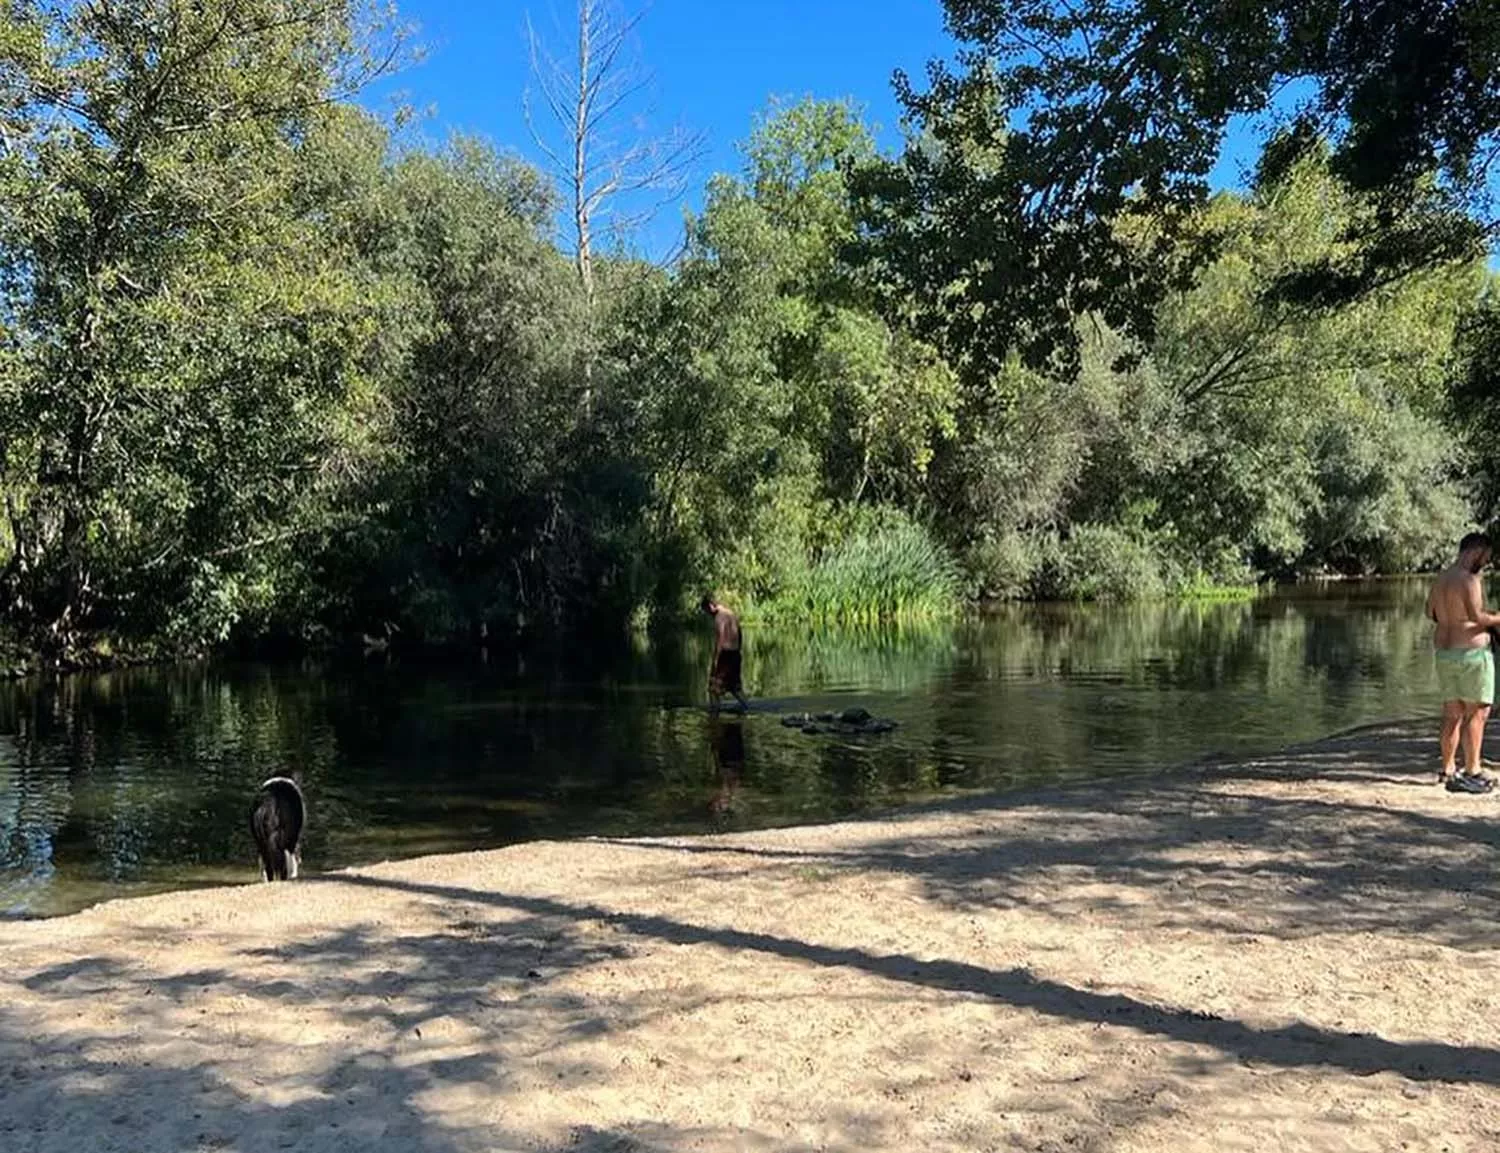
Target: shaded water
<point>140,780</point>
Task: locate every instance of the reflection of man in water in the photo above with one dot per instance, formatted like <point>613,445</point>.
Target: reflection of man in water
<point>726,741</point>
<point>724,674</point>
<point>1465,666</point>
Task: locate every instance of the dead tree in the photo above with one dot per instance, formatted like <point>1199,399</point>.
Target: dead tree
<point>615,175</point>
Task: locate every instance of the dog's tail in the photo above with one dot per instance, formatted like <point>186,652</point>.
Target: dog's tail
<point>276,821</point>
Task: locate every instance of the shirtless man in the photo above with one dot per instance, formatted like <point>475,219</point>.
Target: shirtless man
<point>1465,666</point>
<point>724,672</point>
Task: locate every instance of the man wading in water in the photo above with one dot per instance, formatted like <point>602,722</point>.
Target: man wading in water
<point>1465,666</point>
<point>724,673</point>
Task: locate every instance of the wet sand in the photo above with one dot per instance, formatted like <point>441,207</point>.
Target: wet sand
<point>1290,953</point>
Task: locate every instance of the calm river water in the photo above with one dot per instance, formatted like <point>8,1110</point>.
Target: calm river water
<point>140,781</point>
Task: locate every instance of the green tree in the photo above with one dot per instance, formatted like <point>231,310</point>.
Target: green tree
<point>1060,169</point>
<point>780,393</point>
<point>495,500</point>
<point>1255,435</point>
<point>180,330</point>
<point>1475,388</point>
<point>1319,428</point>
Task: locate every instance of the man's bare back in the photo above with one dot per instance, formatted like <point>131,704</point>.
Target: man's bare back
<point>726,630</point>
<point>1456,604</point>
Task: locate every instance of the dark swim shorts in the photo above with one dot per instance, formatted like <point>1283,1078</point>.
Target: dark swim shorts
<point>727,671</point>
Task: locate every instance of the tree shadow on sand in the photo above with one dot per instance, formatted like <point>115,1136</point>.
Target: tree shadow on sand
<point>415,1025</point>
<point>1207,850</point>
<point>477,1005</point>
<point>474,1008</point>
<point>1292,1046</point>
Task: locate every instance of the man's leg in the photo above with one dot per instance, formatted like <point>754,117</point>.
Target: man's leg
<point>1475,716</point>
<point>734,679</point>
<point>1453,719</point>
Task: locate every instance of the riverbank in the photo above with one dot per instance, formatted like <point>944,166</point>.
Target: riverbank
<point>1293,952</point>
<point>19,661</point>
<point>102,654</point>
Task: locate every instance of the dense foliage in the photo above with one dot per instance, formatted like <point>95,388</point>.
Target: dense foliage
<point>265,372</point>
<point>1065,160</point>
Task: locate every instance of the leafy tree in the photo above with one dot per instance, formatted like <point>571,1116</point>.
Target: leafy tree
<point>1255,435</point>
<point>1060,170</point>
<point>779,394</point>
<point>1288,401</point>
<point>178,327</point>
<point>1475,386</point>
<point>493,502</point>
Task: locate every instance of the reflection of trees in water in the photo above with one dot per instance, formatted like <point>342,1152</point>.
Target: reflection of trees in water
<point>874,660</point>
<point>147,773</point>
<point>1200,645</point>
<point>142,769</point>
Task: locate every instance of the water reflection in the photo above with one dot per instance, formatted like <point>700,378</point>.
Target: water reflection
<point>140,780</point>
<point>726,740</point>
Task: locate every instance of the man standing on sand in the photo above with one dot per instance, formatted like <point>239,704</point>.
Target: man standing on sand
<point>1465,665</point>
<point>724,672</point>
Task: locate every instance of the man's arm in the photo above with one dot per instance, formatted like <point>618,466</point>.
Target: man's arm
<point>1474,605</point>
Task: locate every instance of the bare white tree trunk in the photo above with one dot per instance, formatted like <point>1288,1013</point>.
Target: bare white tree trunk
<point>583,118</point>
<point>581,211</point>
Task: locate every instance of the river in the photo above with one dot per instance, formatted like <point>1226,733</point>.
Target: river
<point>140,780</point>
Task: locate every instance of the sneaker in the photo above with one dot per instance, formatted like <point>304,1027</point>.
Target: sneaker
<point>1470,783</point>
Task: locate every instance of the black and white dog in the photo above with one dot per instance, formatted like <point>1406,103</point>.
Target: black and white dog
<point>276,822</point>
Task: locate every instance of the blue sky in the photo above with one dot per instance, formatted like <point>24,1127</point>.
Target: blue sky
<point>717,63</point>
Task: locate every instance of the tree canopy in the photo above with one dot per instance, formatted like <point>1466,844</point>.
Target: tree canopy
<point>1062,165</point>
<point>269,370</point>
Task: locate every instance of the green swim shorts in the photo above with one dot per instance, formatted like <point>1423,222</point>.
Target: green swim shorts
<point>1467,675</point>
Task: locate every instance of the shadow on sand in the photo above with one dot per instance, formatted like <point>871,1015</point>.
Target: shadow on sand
<point>1331,864</point>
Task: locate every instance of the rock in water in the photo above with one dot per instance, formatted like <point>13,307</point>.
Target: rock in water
<point>849,723</point>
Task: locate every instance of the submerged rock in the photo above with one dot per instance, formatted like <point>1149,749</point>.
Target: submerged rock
<point>849,723</point>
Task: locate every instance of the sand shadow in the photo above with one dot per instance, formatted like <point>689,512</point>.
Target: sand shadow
<point>1288,1047</point>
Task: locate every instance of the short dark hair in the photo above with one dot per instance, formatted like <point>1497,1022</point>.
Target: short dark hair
<point>1476,540</point>
<point>707,603</point>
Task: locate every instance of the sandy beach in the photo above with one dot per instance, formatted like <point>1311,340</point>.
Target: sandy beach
<point>1296,952</point>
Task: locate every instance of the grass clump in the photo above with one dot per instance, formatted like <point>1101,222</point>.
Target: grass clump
<point>884,570</point>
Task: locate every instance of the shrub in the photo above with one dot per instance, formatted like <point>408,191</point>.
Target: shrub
<point>1006,567</point>
<point>1104,562</point>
